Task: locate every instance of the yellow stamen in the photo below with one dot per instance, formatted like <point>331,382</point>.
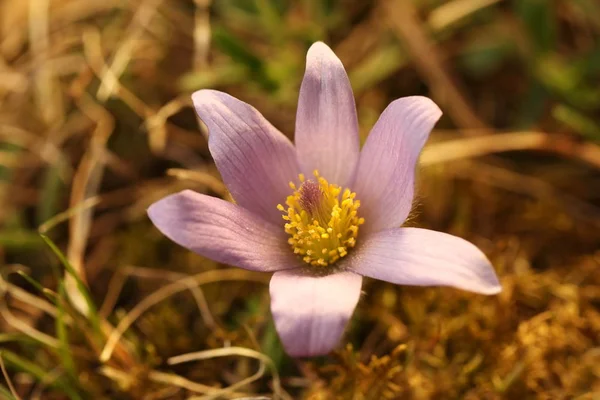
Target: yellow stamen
<point>322,225</point>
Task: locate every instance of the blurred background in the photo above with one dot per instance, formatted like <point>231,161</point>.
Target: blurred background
<point>96,124</point>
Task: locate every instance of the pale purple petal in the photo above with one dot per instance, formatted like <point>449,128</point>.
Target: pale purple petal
<point>385,175</point>
<point>421,257</point>
<point>222,231</point>
<point>311,312</point>
<point>326,124</point>
<point>256,161</point>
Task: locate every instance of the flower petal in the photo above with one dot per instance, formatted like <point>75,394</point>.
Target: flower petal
<point>385,175</point>
<point>326,123</point>
<point>413,256</point>
<point>222,231</point>
<point>311,312</point>
<point>256,161</point>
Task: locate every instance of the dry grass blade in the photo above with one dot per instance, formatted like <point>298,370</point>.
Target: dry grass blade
<point>92,48</point>
<point>26,297</point>
<point>585,212</point>
<point>118,280</point>
<point>180,381</point>
<point>201,33</point>
<point>47,98</point>
<point>125,379</point>
<point>86,182</point>
<point>231,351</point>
<point>27,329</point>
<point>448,13</point>
<point>167,291</point>
<point>45,150</point>
<point>95,107</point>
<point>457,149</point>
<point>402,17</point>
<point>143,16</point>
<point>156,124</point>
<point>7,379</point>
<point>69,213</point>
<point>203,178</point>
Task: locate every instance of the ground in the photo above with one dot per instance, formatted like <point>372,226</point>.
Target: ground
<point>96,124</point>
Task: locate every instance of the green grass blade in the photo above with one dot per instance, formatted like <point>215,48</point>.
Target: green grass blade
<point>49,294</point>
<point>16,337</point>
<point>6,394</point>
<point>92,311</point>
<point>17,363</point>
<point>64,350</point>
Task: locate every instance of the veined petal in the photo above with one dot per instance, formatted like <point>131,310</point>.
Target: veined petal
<point>256,161</point>
<point>385,174</point>
<point>222,231</point>
<point>326,123</point>
<point>421,257</point>
<point>311,312</point>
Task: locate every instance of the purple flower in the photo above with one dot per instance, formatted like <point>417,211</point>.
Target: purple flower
<point>342,207</point>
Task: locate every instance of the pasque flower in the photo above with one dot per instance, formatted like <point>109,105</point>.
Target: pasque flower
<point>324,213</point>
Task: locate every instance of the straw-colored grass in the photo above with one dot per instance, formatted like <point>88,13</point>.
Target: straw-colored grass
<point>96,123</point>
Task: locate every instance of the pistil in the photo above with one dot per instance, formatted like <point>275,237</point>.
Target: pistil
<point>322,220</point>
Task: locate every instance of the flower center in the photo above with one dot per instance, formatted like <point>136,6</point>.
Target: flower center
<point>322,221</point>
